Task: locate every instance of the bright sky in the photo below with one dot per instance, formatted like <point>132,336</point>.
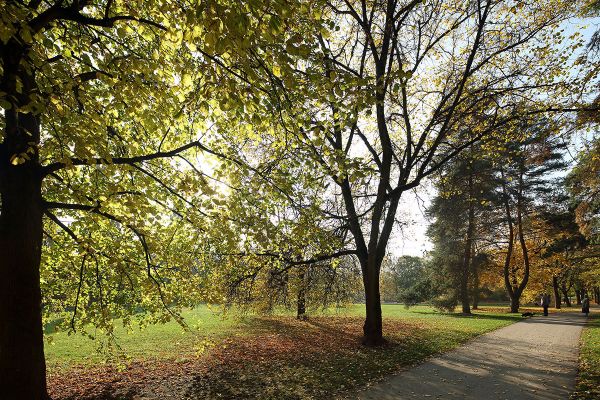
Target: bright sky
<point>411,239</point>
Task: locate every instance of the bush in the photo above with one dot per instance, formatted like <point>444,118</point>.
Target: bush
<point>418,293</point>
<point>445,302</point>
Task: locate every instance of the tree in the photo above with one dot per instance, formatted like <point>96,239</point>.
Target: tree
<point>95,97</point>
<point>53,118</point>
<point>275,247</point>
<point>465,194</point>
<point>583,184</point>
<point>526,177</point>
<point>377,95</point>
<point>282,254</point>
<point>406,279</point>
<point>583,187</point>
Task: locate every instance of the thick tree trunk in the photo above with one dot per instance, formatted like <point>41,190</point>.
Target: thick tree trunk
<point>301,303</point>
<point>464,292</point>
<point>515,303</point>
<point>556,292</point>
<point>22,365</point>
<point>372,328</point>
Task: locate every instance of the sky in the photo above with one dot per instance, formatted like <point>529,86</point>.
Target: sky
<point>410,238</point>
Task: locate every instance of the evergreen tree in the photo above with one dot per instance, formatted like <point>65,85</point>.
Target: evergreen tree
<point>527,173</point>
<point>465,194</point>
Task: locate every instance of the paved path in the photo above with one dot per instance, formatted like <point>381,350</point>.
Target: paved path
<point>532,359</point>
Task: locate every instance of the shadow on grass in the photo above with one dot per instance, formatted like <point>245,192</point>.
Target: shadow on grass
<point>283,358</point>
<point>497,317</point>
<point>326,353</point>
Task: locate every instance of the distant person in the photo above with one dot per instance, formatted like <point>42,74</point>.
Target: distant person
<point>585,305</point>
<point>545,303</point>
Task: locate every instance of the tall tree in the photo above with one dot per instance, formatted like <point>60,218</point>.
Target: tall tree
<point>51,52</point>
<point>377,95</point>
<point>461,212</point>
<point>94,97</point>
<point>583,185</point>
<point>527,176</point>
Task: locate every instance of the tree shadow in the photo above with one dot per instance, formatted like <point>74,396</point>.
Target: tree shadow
<point>108,393</point>
<point>507,317</point>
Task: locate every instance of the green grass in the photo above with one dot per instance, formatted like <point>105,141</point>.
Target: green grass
<point>274,357</point>
<point>164,340</point>
<point>588,381</point>
<point>158,340</point>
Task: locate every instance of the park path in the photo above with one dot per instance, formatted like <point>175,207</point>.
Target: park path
<point>535,358</point>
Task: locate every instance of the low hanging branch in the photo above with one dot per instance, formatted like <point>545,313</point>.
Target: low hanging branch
<point>292,262</point>
<point>140,236</point>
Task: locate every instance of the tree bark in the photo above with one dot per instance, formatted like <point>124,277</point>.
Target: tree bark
<point>22,365</point>
<point>373,326</point>
<point>557,301</point>
<point>512,291</point>
<point>515,303</point>
<point>518,290</point>
<point>464,277</point>
<point>565,292</point>
<point>301,303</point>
<point>578,296</point>
<point>597,294</point>
<point>475,288</point>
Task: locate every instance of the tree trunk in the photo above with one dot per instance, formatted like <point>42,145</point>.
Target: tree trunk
<point>597,294</point>
<point>578,296</point>
<point>372,328</point>
<point>513,294</point>
<point>464,276</point>
<point>583,292</point>
<point>22,365</point>
<point>515,302</point>
<point>301,303</point>
<point>475,288</point>
<point>464,295</point>
<point>566,298</point>
<point>518,290</point>
<point>565,292</point>
<point>556,292</point>
<point>464,291</point>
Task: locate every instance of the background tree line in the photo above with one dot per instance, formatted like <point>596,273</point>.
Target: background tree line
<point>515,226</point>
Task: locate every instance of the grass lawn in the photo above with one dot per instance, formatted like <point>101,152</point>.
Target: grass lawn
<point>275,357</point>
<point>588,381</point>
